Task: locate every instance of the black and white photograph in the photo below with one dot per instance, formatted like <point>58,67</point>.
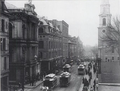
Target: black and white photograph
<point>59,45</point>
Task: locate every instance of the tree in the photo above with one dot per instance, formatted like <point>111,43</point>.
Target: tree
<point>94,50</point>
<point>112,36</point>
<point>80,48</point>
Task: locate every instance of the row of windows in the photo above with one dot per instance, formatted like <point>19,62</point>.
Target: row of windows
<point>22,54</point>
<point>41,36</point>
<point>50,30</point>
<point>4,44</point>
<point>4,25</point>
<point>19,30</point>
<point>51,44</point>
<point>5,63</point>
<point>112,58</point>
<point>50,54</point>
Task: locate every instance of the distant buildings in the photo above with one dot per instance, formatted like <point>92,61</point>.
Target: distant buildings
<point>32,46</point>
<point>50,46</point>
<point>64,27</point>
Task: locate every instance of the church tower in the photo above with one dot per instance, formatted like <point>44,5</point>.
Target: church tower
<point>104,21</point>
<point>109,64</point>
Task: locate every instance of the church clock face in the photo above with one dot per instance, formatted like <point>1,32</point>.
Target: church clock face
<point>103,31</point>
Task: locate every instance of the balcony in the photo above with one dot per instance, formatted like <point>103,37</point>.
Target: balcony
<point>4,34</point>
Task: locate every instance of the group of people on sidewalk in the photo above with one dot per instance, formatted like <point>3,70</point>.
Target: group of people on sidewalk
<point>89,80</point>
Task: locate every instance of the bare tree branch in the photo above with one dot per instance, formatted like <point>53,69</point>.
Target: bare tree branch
<point>112,36</point>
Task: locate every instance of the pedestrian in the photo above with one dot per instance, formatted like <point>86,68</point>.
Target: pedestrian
<point>33,77</point>
<point>90,76</point>
<point>94,85</point>
<point>91,88</point>
<point>19,84</point>
<point>30,81</point>
<point>96,80</point>
<point>85,82</point>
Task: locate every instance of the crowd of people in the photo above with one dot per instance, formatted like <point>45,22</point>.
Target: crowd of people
<point>91,70</point>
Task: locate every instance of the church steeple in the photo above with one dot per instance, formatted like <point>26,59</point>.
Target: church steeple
<point>105,1</point>
<point>105,7</point>
<point>104,20</point>
<point>105,16</point>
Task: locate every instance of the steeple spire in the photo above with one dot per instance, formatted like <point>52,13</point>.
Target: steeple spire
<point>105,7</point>
<point>105,1</point>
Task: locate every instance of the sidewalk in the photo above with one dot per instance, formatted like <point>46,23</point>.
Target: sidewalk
<point>91,83</point>
<point>27,87</point>
<point>36,84</point>
<point>109,87</point>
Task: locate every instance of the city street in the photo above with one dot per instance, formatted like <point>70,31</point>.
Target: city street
<point>45,45</point>
<point>76,81</point>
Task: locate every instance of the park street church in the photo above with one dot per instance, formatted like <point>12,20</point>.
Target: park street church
<point>109,64</point>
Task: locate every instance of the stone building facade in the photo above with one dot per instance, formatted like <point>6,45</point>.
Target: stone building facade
<point>4,47</point>
<point>23,36</point>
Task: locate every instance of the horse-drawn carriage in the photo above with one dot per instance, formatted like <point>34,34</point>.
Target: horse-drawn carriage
<point>65,78</point>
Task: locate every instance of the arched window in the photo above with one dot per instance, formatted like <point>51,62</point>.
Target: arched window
<point>104,21</point>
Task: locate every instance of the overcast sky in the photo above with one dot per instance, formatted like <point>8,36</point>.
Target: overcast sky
<point>81,15</point>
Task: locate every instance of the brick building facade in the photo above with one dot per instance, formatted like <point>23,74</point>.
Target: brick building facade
<point>50,46</point>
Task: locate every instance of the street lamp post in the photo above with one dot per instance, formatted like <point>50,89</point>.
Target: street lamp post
<point>23,79</point>
<point>35,57</point>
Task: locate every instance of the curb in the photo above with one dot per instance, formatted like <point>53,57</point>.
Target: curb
<point>33,87</point>
<point>109,84</point>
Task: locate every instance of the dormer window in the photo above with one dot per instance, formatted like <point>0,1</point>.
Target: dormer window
<point>41,23</point>
<point>40,30</point>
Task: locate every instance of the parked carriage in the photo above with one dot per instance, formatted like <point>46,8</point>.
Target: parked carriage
<point>65,78</point>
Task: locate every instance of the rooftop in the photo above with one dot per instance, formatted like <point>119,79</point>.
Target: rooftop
<point>10,6</point>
